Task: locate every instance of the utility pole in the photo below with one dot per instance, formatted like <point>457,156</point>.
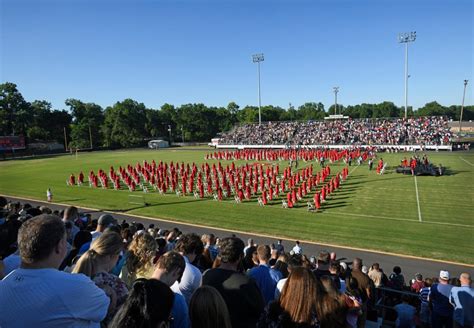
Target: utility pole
<point>65,139</point>
<point>90,136</point>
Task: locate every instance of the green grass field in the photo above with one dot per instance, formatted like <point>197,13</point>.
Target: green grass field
<point>369,211</point>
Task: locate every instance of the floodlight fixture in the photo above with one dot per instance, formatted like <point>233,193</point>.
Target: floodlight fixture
<point>407,37</point>
<point>257,58</point>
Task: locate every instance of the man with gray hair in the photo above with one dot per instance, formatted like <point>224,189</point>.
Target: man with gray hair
<point>462,298</point>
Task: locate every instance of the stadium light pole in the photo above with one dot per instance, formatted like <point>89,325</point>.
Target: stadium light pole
<point>336,90</point>
<point>257,58</point>
<point>462,105</point>
<point>406,38</point>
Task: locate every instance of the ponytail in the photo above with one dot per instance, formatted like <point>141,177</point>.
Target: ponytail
<point>87,263</point>
<point>107,244</point>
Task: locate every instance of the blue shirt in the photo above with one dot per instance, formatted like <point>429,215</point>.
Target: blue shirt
<point>179,312</point>
<point>463,300</point>
<point>266,279</point>
<point>439,297</point>
<point>405,315</point>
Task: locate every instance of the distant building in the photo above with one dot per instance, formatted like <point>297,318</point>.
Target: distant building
<point>156,144</point>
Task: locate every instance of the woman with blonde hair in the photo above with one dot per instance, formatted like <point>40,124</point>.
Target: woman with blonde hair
<point>139,258</point>
<point>97,263</point>
<point>207,309</point>
<point>298,305</point>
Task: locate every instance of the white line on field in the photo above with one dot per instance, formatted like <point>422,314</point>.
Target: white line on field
<point>400,219</point>
<point>466,161</point>
<point>417,200</point>
<point>353,169</point>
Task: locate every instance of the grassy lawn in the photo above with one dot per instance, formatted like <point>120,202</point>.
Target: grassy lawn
<point>369,211</point>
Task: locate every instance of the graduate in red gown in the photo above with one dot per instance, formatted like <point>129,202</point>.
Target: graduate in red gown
<point>81,178</point>
<point>264,197</point>
<point>72,179</point>
<point>317,201</point>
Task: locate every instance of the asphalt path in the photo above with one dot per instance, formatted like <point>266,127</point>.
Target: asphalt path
<point>409,265</point>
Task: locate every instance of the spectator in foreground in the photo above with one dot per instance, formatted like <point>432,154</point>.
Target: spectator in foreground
<point>38,294</point>
<point>266,277</point>
<point>250,259</point>
<point>442,311</point>
<point>376,274</point>
<point>405,313</point>
<point>396,279</point>
<point>169,269</point>
<point>139,259</point>
<point>418,283</point>
<point>97,263</point>
<point>82,237</point>
<point>105,220</point>
<point>462,298</point>
<point>334,309</point>
<point>189,246</point>
<point>364,286</point>
<point>70,215</point>
<point>298,304</point>
<point>297,248</point>
<point>240,293</point>
<point>425,311</point>
<point>148,305</point>
<point>293,262</point>
<point>207,309</point>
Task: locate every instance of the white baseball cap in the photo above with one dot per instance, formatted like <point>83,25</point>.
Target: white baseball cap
<point>444,275</point>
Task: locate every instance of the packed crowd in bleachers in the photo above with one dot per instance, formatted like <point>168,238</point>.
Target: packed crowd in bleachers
<point>61,269</point>
<point>396,131</point>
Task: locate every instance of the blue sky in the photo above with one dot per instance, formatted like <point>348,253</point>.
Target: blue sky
<point>181,52</point>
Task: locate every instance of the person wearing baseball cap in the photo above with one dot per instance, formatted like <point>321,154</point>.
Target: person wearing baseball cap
<point>104,221</point>
<point>442,313</point>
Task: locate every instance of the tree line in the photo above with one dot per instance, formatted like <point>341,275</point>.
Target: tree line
<point>129,123</point>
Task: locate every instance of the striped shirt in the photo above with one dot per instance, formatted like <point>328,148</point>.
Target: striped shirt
<point>424,292</point>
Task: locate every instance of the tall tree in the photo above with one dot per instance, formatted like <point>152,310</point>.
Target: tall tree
<point>432,109</point>
<point>87,122</point>
<point>248,114</point>
<point>39,128</point>
<point>311,111</point>
<point>15,113</point>
<point>272,113</point>
<point>125,124</point>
